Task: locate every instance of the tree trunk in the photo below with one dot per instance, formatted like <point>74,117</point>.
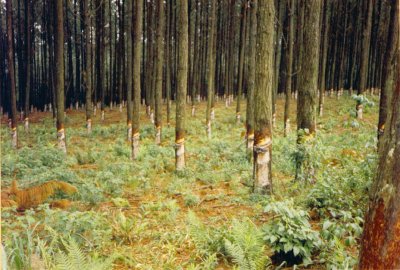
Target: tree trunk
<point>308,82</point>
<point>59,66</point>
<point>389,68</point>
<point>289,55</point>
<point>364,56</point>
<point>325,44</point>
<point>100,89</point>
<point>28,60</point>
<point>137,51</point>
<point>88,65</point>
<point>159,70</point>
<point>10,61</point>
<point>211,66</point>
<point>380,242</point>
<point>242,43</point>
<point>264,69</point>
<point>168,57</point>
<point>252,76</point>
<point>182,80</point>
<point>129,66</point>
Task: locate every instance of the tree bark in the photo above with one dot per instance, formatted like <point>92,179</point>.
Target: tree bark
<point>182,81</point>
<point>364,56</point>
<point>211,67</point>
<point>137,55</point>
<point>308,81</point>
<point>289,55</point>
<point>389,68</point>
<point>252,76</point>
<point>242,43</point>
<point>28,60</point>
<point>264,69</point>
<point>59,66</point>
<point>129,66</point>
<point>88,65</point>
<point>380,242</point>
<point>325,44</point>
<point>159,70</point>
<point>11,72</point>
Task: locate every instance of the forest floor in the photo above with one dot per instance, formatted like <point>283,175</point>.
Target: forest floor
<point>144,215</point>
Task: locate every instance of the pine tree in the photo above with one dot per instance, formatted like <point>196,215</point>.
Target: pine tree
<point>264,69</point>
<point>137,54</point>
<point>11,72</point>
<point>182,80</point>
<point>59,66</point>
<point>308,81</point>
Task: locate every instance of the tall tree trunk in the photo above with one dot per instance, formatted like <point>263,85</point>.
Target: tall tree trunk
<point>242,43</point>
<point>252,76</point>
<point>264,69</point>
<point>129,66</point>
<point>28,60</point>
<point>380,242</point>
<point>389,68</point>
<point>364,56</point>
<point>277,56</point>
<point>211,66</point>
<point>168,57</point>
<point>308,83</point>
<point>59,66</point>
<point>182,82</point>
<point>159,70</point>
<point>100,89</point>
<point>137,51</point>
<point>289,56</point>
<point>324,56</point>
<point>88,65</point>
<point>11,72</point>
<point>78,41</point>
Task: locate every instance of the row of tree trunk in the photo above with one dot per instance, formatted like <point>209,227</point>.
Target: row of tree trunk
<point>352,49</point>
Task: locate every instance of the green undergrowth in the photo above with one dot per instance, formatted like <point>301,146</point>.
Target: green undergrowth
<point>145,215</point>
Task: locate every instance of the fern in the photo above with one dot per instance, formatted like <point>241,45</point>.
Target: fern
<point>246,247</point>
<point>74,259</point>
<point>206,240</point>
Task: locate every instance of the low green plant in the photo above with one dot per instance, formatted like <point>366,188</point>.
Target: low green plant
<point>128,229</point>
<point>207,240</point>
<point>335,256</point>
<point>246,247</point>
<point>289,231</point>
<point>191,199</point>
<point>73,258</point>
<point>85,157</point>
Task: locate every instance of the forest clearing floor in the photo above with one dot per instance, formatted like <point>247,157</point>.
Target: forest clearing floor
<point>145,215</point>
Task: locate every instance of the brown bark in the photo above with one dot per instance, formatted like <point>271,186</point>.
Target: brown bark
<point>242,43</point>
<point>11,69</point>
<point>87,75</point>
<point>264,69</point>
<point>289,55</point>
<point>211,66</point>
<point>364,55</point>
<point>308,82</point>
<point>182,80</point>
<point>389,68</point>
<point>28,60</point>
<point>159,70</point>
<point>252,75</point>
<point>137,50</point>
<point>380,242</point>
<point>59,66</point>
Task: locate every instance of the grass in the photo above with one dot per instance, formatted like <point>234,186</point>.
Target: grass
<point>140,209</point>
